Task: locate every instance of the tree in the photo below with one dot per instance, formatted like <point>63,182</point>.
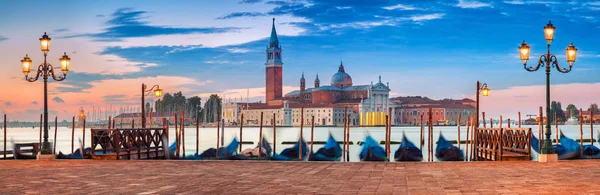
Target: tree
<point>572,110</point>
<point>594,108</point>
<point>212,109</point>
<point>556,108</point>
<point>194,105</point>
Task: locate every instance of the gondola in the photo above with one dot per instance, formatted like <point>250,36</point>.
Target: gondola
<point>292,154</point>
<point>445,151</point>
<point>372,151</point>
<point>76,155</point>
<point>566,150</point>
<point>330,152</point>
<point>408,151</point>
<point>252,153</point>
<point>224,153</point>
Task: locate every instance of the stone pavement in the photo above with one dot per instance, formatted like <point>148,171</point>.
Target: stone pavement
<point>251,177</point>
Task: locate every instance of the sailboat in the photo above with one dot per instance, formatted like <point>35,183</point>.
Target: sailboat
<point>408,151</point>
<point>372,151</point>
<point>445,151</point>
<point>330,152</point>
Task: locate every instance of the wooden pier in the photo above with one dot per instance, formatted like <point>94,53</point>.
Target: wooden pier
<point>503,144</point>
<point>133,143</point>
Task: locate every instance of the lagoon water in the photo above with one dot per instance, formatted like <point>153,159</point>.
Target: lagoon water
<point>208,136</point>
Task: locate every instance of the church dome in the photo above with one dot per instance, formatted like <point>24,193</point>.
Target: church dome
<point>341,79</point>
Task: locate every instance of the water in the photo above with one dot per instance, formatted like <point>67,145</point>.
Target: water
<point>208,136</point>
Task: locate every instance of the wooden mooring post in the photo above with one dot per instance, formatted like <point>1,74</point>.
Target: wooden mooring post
<point>592,127</point>
<point>241,127</point>
<point>458,131</point>
<point>468,124</point>
<point>387,155</point>
<point>430,135</point>
<point>421,138</point>
<point>55,131</point>
<point>482,119</point>
<point>73,136</point>
<point>83,138</point>
<point>260,135</point>
<point>312,132</point>
<point>500,123</point>
<point>348,138</point>
<point>177,136</point>
<point>218,137</point>
<point>4,136</point>
<point>183,133</point>
<point>581,132</point>
<point>389,138</point>
<point>301,126</point>
<point>508,123</point>
<point>198,133</point>
<point>556,126</point>
<point>344,134</point>
<point>274,134</point>
<point>519,119</point>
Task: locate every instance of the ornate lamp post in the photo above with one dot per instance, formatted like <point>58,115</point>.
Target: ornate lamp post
<point>45,70</point>
<point>483,90</point>
<point>548,61</point>
<point>157,93</point>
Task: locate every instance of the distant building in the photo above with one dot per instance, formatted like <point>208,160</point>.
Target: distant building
<point>444,112</point>
<point>365,104</point>
<point>587,115</point>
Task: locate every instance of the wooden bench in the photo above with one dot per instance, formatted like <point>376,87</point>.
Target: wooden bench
<point>26,150</point>
<point>503,144</point>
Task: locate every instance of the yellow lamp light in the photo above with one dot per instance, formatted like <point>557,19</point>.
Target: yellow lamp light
<point>158,92</point>
<point>26,65</point>
<point>65,62</point>
<point>45,43</point>
<point>571,54</point>
<point>524,52</point>
<point>485,91</point>
<point>549,32</point>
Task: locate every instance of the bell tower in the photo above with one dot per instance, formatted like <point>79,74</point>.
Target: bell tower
<point>302,83</point>
<point>274,67</point>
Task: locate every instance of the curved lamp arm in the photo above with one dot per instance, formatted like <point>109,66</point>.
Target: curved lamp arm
<point>60,77</point>
<point>555,63</point>
<point>540,62</point>
<point>149,91</point>
<point>37,75</point>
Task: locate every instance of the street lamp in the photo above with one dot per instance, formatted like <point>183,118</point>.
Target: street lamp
<point>548,60</point>
<point>483,90</point>
<point>157,93</point>
<point>45,70</point>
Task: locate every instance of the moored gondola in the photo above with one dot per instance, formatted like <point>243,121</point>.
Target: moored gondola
<point>445,151</point>
<point>224,153</point>
<point>293,153</point>
<point>372,151</point>
<point>330,152</point>
<point>408,151</point>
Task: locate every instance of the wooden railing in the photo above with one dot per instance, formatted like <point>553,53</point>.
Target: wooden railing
<point>135,143</point>
<point>503,144</point>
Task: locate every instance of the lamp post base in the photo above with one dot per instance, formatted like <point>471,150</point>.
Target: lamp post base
<point>548,158</point>
<point>45,157</point>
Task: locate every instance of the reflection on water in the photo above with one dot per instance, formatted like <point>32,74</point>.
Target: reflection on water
<point>208,136</point>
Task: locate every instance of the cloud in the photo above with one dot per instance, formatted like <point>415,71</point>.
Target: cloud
<point>128,23</point>
<point>520,2</point>
<point>3,38</point>
<point>8,103</point>
<point>116,99</point>
<point>238,50</point>
<point>472,4</point>
<point>216,62</point>
<point>241,14</point>
<point>425,17</point>
<point>58,100</point>
<point>61,30</point>
<point>400,7</point>
<point>250,1</point>
<point>34,103</point>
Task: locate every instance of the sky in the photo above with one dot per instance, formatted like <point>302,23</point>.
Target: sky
<point>437,49</point>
